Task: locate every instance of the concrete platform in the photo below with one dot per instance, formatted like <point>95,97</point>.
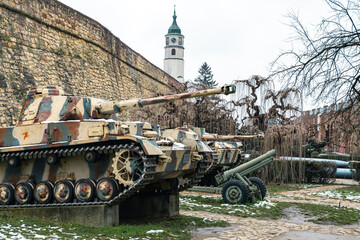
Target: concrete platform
<point>100,215</point>
<point>143,206</point>
<point>150,206</point>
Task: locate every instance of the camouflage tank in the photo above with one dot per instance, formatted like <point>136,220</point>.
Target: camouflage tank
<point>228,149</point>
<point>188,137</point>
<point>71,150</point>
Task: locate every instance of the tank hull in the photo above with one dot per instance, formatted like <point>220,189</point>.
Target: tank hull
<point>70,142</point>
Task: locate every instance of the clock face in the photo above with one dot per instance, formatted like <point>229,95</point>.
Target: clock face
<point>173,40</point>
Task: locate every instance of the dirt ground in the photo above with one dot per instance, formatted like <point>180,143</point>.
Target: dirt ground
<point>292,226</point>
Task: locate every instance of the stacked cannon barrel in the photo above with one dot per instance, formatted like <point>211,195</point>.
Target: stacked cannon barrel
<point>71,150</point>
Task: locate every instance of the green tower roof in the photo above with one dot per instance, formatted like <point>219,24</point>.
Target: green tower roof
<point>174,28</point>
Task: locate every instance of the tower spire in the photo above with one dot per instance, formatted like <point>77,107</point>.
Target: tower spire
<point>174,28</point>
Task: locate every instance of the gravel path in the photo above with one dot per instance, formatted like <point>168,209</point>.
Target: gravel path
<point>251,228</point>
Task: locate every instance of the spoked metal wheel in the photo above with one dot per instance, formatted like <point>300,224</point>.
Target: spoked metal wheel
<point>235,191</point>
<point>128,165</point>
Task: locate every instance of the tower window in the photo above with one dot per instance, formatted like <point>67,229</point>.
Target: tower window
<point>167,41</point>
<point>173,51</point>
<point>180,40</point>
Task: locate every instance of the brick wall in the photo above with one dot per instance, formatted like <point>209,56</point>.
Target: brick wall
<point>44,42</point>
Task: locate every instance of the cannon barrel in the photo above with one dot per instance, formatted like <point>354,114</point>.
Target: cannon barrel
<point>246,168</point>
<point>112,107</point>
<point>212,137</point>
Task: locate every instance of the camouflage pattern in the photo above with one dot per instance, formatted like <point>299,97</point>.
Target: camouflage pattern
<point>55,132</point>
<point>188,137</point>
<point>227,152</point>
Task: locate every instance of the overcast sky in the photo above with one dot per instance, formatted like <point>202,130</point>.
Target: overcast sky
<point>236,38</point>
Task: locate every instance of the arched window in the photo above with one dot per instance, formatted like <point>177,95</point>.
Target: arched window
<point>180,40</point>
<point>173,51</point>
<point>167,41</point>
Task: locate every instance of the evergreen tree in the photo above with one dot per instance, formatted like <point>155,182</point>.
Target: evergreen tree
<point>206,77</point>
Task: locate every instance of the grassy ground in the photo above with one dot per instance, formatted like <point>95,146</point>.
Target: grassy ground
<point>176,228</point>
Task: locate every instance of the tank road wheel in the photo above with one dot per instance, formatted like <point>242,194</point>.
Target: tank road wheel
<point>128,166</point>
<point>13,162</point>
<point>6,193</point>
<point>235,191</point>
<point>90,156</point>
<point>52,159</point>
<point>260,185</point>
<point>64,191</point>
<point>85,190</point>
<point>106,189</point>
<point>24,192</point>
<point>43,192</point>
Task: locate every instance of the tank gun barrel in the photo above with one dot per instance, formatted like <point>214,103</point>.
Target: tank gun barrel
<point>211,137</point>
<point>119,106</point>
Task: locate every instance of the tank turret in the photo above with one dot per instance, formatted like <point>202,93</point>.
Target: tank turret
<point>52,104</point>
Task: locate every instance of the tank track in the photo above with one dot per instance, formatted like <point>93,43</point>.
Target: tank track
<point>195,177</point>
<point>146,178</point>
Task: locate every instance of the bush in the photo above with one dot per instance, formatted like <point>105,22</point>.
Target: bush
<point>319,172</point>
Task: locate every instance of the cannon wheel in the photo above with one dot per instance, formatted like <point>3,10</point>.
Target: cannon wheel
<point>259,184</point>
<point>235,191</point>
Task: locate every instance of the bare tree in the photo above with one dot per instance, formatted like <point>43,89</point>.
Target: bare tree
<point>327,63</point>
<point>326,66</point>
<point>258,104</point>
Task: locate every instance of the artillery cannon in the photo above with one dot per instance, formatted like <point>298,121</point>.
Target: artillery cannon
<point>238,188</point>
<point>71,150</point>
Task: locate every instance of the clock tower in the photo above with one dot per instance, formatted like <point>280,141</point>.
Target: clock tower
<point>174,52</point>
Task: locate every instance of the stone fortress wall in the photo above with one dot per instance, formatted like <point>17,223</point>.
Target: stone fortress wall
<point>44,42</point>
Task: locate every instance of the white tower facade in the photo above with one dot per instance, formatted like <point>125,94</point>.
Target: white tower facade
<point>174,52</point>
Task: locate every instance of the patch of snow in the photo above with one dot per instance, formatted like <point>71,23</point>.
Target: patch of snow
<point>37,236</point>
<point>355,197</point>
<point>154,231</point>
